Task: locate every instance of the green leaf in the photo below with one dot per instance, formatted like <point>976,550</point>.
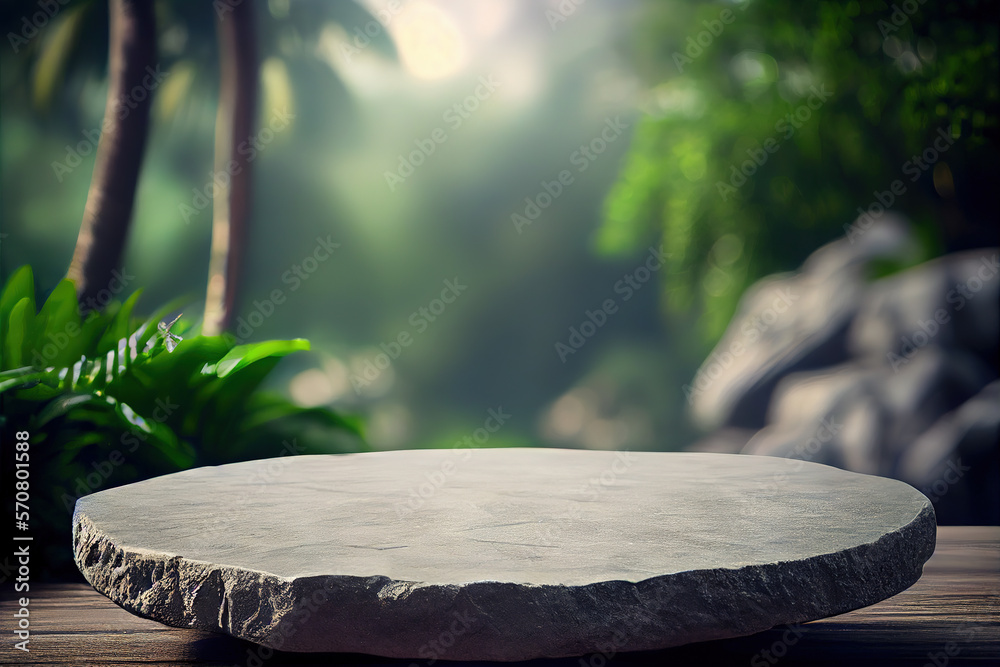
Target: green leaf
<point>58,327</point>
<point>38,390</point>
<point>105,342</point>
<point>263,408</point>
<point>118,327</point>
<point>60,406</point>
<point>126,419</point>
<point>20,285</point>
<point>244,355</point>
<point>78,442</point>
<point>18,331</point>
<point>109,383</point>
<point>19,377</point>
<point>225,402</point>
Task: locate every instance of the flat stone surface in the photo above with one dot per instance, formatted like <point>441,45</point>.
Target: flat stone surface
<point>501,554</point>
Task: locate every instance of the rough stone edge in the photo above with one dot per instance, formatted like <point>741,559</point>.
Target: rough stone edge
<point>497,620</point>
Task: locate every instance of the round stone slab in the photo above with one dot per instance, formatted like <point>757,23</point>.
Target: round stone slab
<point>501,554</point>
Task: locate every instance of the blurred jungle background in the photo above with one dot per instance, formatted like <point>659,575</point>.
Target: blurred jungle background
<point>552,210</point>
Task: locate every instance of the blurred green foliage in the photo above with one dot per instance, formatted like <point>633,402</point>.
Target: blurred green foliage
<point>324,175</point>
<point>109,399</point>
<point>725,80</point>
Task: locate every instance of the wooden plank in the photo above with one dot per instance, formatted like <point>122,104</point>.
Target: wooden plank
<point>953,612</point>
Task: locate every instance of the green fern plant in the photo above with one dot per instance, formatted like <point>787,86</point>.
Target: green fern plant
<point>109,398</point>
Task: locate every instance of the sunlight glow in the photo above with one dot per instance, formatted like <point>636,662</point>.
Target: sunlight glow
<point>430,43</point>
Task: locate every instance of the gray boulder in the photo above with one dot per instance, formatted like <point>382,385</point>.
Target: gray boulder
<point>790,323</point>
<point>956,462</point>
<point>895,377</point>
<point>947,302</point>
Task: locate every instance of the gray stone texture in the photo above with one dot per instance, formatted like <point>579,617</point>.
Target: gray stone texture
<point>501,554</point>
<point>893,376</point>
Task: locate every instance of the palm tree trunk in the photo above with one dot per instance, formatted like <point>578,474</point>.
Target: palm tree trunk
<point>234,123</point>
<point>108,212</point>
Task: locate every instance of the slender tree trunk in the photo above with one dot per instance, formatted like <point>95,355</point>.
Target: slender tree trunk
<point>238,69</point>
<point>106,217</point>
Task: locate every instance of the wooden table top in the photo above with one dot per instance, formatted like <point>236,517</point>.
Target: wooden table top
<point>950,617</point>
